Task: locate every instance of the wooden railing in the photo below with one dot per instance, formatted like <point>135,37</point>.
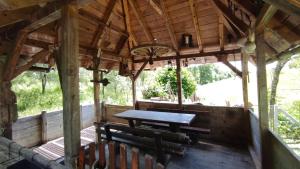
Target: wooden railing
<point>87,156</point>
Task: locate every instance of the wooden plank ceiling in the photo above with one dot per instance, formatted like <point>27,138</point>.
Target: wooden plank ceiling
<point>115,26</point>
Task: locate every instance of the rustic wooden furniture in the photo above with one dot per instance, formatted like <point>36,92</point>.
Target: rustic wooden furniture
<point>175,120</point>
<point>160,141</point>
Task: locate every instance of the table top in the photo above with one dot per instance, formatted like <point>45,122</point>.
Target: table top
<point>156,116</point>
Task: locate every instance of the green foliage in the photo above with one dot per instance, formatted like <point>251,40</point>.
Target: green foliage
<point>294,109</point>
<point>31,100</point>
<point>167,79</point>
<point>153,91</point>
<point>208,73</point>
<point>294,63</point>
<point>287,129</point>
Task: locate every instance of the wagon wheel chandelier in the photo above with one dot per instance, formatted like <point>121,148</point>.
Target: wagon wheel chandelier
<point>151,51</point>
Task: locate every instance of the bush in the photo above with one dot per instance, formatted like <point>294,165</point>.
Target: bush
<point>153,91</point>
<point>168,81</point>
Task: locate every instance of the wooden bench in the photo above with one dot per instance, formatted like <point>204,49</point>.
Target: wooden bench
<point>193,132</point>
<point>158,140</point>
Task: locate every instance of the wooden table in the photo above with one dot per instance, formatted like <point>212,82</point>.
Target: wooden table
<point>175,120</point>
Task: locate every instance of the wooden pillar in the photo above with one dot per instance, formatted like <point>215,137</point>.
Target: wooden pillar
<point>245,75</point>
<point>96,78</point>
<point>133,84</point>
<point>179,81</point>
<point>69,72</point>
<point>262,100</point>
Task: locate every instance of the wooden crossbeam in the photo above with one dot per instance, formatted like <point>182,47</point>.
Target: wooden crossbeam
<point>289,6</point>
<point>229,28</point>
<point>132,37</point>
<point>140,70</point>
<point>140,18</point>
<point>239,24</point>
<point>169,25</point>
<point>195,55</point>
<point>108,11</point>
<point>230,66</point>
<point>196,23</point>
<point>13,59</point>
<point>35,58</point>
<point>11,17</point>
<point>265,15</point>
<point>120,45</point>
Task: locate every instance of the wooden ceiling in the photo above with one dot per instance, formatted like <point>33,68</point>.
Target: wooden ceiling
<point>30,31</point>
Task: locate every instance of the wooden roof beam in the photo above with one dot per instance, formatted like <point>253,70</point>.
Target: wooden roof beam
<point>120,44</point>
<point>239,24</point>
<point>140,18</point>
<point>35,58</point>
<point>265,15</point>
<point>196,23</point>
<point>195,55</point>
<point>108,11</point>
<point>248,6</point>
<point>169,25</point>
<point>132,37</point>
<point>155,4</point>
<point>16,4</point>
<point>224,60</point>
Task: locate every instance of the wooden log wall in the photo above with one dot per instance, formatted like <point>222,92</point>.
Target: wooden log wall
<point>28,131</point>
<point>116,159</point>
<point>227,124</point>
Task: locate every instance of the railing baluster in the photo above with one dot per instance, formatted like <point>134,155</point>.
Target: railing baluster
<point>148,162</point>
<point>102,159</point>
<point>81,158</point>
<point>123,156</point>
<point>134,158</point>
<point>112,155</point>
<point>92,157</point>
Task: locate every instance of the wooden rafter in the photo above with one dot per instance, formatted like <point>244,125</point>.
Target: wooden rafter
<point>35,58</point>
<point>265,15</point>
<point>221,32</point>
<point>108,11</point>
<point>44,21</point>
<point>120,45</point>
<point>229,28</point>
<point>289,6</point>
<point>169,25</point>
<point>140,18</point>
<point>239,24</point>
<point>16,4</point>
<point>196,23</point>
<point>132,37</point>
<point>11,17</point>
<point>155,4</point>
<point>247,5</point>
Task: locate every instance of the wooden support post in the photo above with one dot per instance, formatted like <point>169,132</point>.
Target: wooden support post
<point>245,58</point>
<point>148,162</point>
<point>179,81</point>
<point>133,92</point>
<point>262,100</point>
<point>112,155</point>
<point>44,127</point>
<point>123,156</point>
<point>92,157</point>
<point>96,78</point>
<point>69,71</point>
<point>102,159</point>
<point>135,158</point>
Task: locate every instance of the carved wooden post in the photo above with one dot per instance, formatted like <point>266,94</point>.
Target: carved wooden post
<point>245,58</point>
<point>96,78</point>
<point>69,74</point>
<point>262,99</point>
<point>179,81</point>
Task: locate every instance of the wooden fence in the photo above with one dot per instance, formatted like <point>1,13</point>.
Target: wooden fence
<point>34,130</point>
<point>87,156</point>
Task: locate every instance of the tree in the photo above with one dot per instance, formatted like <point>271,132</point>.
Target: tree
<point>167,79</point>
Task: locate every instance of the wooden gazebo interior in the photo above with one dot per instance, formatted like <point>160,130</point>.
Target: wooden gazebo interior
<point>38,35</point>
